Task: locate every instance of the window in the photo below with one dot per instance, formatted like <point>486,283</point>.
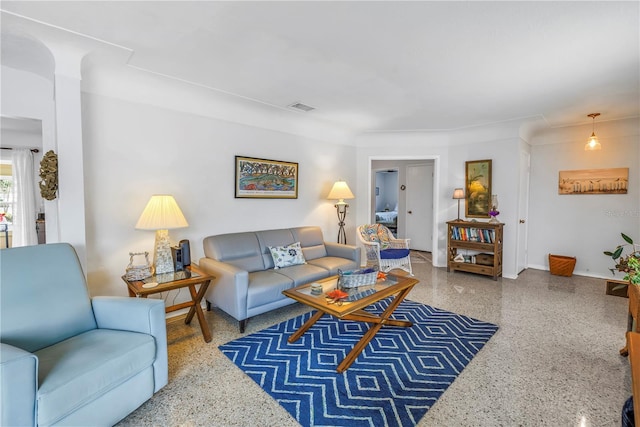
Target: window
<point>6,203</point>
<point>6,193</point>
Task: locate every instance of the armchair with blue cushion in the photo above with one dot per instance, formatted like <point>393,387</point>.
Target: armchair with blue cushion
<point>383,249</point>
<point>66,358</point>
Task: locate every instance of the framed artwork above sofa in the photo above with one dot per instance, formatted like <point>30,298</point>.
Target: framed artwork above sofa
<point>265,179</point>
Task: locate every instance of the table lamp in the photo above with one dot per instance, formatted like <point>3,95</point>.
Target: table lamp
<point>458,194</point>
<point>162,213</point>
<point>341,191</point>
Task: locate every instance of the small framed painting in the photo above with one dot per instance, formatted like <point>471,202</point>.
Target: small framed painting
<point>478,191</point>
<point>266,179</point>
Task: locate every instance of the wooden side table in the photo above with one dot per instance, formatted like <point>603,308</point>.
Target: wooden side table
<point>188,278</point>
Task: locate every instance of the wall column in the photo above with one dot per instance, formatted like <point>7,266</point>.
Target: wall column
<point>68,119</point>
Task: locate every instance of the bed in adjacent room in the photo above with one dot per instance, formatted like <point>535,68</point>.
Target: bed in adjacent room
<point>389,219</point>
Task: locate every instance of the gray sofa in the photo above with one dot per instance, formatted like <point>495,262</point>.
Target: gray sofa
<point>246,283</point>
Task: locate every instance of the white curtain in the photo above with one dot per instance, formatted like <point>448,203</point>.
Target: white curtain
<point>24,213</point>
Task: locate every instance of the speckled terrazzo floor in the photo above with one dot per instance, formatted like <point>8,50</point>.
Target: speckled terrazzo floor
<point>553,362</point>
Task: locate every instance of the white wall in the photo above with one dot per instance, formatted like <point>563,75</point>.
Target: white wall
<point>16,138</point>
<point>450,150</point>
<point>134,150</point>
<point>182,140</point>
<point>583,225</point>
<point>504,183</point>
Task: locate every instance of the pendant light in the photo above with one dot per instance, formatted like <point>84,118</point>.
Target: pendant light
<point>593,143</point>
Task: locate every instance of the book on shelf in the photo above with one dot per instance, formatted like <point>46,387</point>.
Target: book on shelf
<point>473,234</point>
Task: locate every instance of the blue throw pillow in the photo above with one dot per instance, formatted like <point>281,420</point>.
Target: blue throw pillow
<point>285,256</point>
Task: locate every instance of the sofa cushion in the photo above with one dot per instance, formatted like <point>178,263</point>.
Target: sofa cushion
<point>301,274</point>
<point>76,371</point>
<point>241,250</point>
<point>394,253</point>
<point>332,264</point>
<point>285,256</point>
<point>266,286</point>
<point>273,238</point>
<point>57,293</point>
<point>311,240</point>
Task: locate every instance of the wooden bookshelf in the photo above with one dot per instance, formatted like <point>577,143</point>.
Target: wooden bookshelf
<point>481,245</point>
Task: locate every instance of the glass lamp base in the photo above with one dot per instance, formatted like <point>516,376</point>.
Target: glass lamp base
<point>162,259</point>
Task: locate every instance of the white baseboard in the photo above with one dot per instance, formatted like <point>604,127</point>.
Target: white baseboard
<point>577,272</point>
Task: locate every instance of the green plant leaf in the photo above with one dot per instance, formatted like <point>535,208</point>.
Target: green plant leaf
<point>617,253</point>
<point>627,238</point>
<point>608,253</point>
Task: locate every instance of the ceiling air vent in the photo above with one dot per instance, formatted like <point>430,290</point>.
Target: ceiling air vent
<point>301,107</point>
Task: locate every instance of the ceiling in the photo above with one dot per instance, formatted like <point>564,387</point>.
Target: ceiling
<point>384,65</point>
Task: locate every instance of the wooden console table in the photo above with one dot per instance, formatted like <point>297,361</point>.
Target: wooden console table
<point>634,314</point>
<point>633,342</point>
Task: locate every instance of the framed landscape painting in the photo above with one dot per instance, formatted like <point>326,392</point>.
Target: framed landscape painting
<point>478,191</point>
<point>266,179</point>
<point>594,181</point>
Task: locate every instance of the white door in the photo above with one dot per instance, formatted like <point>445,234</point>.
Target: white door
<point>419,206</point>
<point>523,209</point>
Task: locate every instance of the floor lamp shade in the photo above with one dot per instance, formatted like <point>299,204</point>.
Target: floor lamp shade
<point>341,191</point>
<point>162,214</point>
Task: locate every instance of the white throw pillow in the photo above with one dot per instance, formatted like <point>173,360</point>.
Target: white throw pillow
<point>284,256</point>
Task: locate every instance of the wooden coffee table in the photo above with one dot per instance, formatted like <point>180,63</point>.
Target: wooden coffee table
<point>354,310</point>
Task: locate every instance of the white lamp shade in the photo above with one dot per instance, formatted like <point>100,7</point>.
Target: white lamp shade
<point>161,213</point>
<point>458,193</point>
<point>341,191</point>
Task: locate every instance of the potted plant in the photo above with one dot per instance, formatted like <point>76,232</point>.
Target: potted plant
<point>629,264</point>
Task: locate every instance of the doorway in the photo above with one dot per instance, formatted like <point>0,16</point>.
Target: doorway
<point>21,206</point>
<point>419,224</point>
<point>417,194</point>
<point>386,199</point>
<point>523,209</point>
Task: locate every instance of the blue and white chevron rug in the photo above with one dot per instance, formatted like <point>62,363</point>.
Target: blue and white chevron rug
<point>394,381</point>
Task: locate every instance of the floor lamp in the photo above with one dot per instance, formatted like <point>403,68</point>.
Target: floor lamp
<point>341,191</point>
<point>458,194</point>
<point>162,213</point>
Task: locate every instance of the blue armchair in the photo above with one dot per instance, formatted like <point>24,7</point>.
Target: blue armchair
<point>66,358</point>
